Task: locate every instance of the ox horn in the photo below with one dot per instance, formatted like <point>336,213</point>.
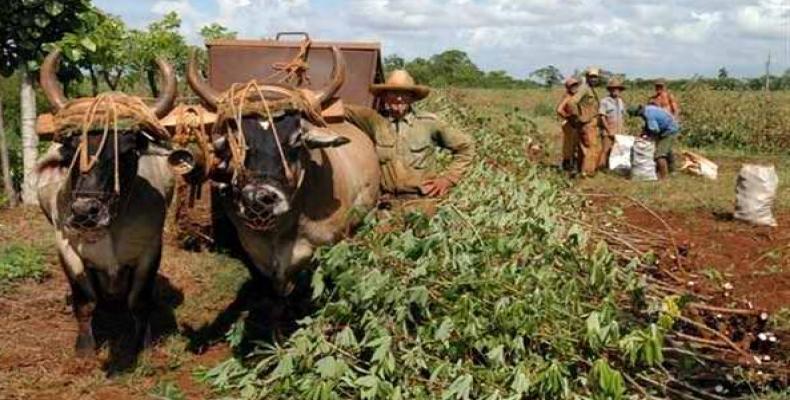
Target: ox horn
<point>199,86</point>
<point>164,103</point>
<point>336,81</point>
<point>49,81</point>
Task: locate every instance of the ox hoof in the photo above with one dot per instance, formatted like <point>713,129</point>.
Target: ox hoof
<point>85,347</point>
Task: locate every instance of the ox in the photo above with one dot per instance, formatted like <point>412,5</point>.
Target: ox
<point>109,217</point>
<point>299,185</point>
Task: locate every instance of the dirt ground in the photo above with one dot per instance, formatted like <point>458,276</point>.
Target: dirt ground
<point>755,261</point>
<point>38,331</point>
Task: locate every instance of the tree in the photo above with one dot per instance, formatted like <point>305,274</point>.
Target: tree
<point>216,31</point>
<point>98,47</point>
<point>160,39</point>
<point>454,67</point>
<point>548,75</point>
<point>393,62</point>
<point>5,164</point>
<point>25,27</point>
<point>723,74</point>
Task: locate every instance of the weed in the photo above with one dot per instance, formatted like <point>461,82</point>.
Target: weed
<point>166,390</point>
<point>21,262</point>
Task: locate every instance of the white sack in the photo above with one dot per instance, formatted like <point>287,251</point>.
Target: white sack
<point>643,163</point>
<point>755,192</point>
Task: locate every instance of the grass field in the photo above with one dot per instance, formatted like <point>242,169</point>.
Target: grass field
<point>500,291</point>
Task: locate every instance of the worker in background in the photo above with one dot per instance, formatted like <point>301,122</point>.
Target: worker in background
<point>664,99</point>
<point>584,107</point>
<point>662,128</point>
<point>613,113</point>
<point>570,137</point>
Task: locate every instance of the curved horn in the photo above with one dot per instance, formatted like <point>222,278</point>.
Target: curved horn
<point>337,80</point>
<point>167,96</point>
<point>199,86</point>
<point>49,81</point>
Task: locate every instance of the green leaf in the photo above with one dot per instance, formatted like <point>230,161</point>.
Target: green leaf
<point>53,8</point>
<point>460,388</point>
<point>88,44</point>
<point>317,282</point>
<point>445,330</point>
<point>331,368</point>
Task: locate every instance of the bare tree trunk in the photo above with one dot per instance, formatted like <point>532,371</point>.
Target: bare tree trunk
<point>5,165</point>
<point>94,81</point>
<point>112,82</point>
<point>27,99</point>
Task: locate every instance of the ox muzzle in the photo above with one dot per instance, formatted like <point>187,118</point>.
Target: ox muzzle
<point>259,205</point>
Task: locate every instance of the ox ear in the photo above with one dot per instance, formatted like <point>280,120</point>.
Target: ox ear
<point>314,139</point>
<point>53,158</point>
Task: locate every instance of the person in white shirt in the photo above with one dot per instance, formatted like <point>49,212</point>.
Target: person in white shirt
<point>613,112</point>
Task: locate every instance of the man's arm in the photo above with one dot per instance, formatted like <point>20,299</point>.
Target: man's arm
<point>673,105</point>
<point>461,145</point>
<point>562,107</point>
<point>573,102</point>
<point>366,119</point>
<point>651,125</point>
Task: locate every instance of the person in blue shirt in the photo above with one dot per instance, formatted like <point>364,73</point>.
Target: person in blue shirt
<point>661,127</point>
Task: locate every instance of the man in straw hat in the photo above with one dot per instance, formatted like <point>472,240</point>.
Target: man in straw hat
<point>664,99</point>
<point>570,138</point>
<point>407,145</point>
<point>613,113</point>
<point>584,109</point>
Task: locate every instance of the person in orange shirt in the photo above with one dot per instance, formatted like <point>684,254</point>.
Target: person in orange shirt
<point>570,137</point>
<point>664,99</point>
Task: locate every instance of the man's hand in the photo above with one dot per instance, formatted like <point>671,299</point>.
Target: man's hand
<point>436,187</point>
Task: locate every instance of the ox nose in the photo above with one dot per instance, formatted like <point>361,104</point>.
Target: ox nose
<point>86,207</point>
<point>265,197</point>
<point>260,196</point>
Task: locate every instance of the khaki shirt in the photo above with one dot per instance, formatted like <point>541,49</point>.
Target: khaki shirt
<point>584,105</point>
<point>407,148</point>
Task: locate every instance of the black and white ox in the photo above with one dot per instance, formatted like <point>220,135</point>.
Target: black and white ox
<point>298,186</point>
<point>108,219</point>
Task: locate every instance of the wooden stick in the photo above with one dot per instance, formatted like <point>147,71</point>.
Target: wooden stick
<point>719,334</point>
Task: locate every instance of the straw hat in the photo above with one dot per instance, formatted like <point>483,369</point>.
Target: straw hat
<point>615,83</point>
<point>570,81</point>
<point>593,71</point>
<point>400,81</point>
<point>660,82</point>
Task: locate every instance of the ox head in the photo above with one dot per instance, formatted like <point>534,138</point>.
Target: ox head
<point>102,166</point>
<point>272,151</point>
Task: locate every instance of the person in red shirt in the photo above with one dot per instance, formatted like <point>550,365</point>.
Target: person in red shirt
<point>664,99</point>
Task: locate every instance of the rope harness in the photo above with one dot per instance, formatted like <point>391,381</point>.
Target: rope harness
<point>250,100</point>
<point>295,71</point>
<point>81,117</point>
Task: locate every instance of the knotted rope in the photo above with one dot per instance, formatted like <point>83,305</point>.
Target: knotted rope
<point>250,100</point>
<point>295,71</point>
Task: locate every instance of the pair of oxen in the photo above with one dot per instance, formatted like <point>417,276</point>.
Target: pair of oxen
<point>309,182</point>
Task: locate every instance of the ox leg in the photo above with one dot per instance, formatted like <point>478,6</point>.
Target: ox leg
<point>83,301</point>
<point>141,298</point>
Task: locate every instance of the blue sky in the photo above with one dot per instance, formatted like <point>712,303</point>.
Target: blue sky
<point>637,37</point>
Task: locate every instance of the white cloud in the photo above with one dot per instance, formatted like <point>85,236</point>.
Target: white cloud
<point>638,37</point>
<point>767,19</point>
